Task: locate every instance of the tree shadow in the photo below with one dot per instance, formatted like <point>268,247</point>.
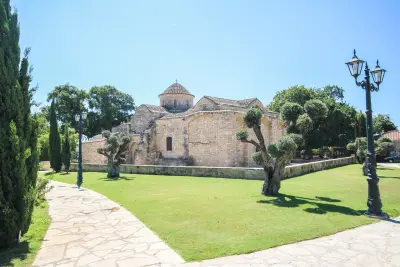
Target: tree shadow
<point>384,168</point>
<point>392,177</point>
<point>65,173</point>
<point>393,221</point>
<point>116,178</point>
<point>328,199</point>
<point>18,252</point>
<point>288,201</point>
<point>49,173</point>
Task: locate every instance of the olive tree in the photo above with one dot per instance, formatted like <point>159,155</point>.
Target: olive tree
<point>383,146</point>
<point>114,149</point>
<point>273,158</point>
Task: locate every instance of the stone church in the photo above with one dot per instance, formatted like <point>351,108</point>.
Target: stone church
<point>179,132</point>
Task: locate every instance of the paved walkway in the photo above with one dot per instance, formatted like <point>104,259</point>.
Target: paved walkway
<point>88,229</point>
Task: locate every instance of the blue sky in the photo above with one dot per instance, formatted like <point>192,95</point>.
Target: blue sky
<point>226,48</point>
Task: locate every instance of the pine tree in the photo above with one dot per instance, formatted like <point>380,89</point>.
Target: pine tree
<point>54,141</point>
<point>66,150</point>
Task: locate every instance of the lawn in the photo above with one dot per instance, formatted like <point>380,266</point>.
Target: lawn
<point>205,218</point>
<point>24,254</point>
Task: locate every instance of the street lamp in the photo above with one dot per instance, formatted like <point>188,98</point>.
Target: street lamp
<point>80,118</point>
<point>355,67</point>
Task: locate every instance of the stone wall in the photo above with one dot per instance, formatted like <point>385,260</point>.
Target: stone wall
<point>210,137</point>
<point>122,128</point>
<point>222,172</point>
<point>141,119</point>
<point>89,151</point>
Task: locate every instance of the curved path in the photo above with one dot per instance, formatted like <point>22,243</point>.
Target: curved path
<point>88,229</point>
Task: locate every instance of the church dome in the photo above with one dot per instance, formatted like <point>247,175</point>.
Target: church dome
<point>176,88</point>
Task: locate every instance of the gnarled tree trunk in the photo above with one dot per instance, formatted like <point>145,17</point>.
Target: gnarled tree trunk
<point>273,177</point>
<point>365,168</point>
<point>113,170</point>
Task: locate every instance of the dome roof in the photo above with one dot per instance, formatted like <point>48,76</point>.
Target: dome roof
<point>176,88</point>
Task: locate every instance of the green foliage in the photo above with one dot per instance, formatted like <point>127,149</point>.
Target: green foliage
<point>114,149</point>
<point>66,150</point>
<point>284,148</point>
<point>334,125</point>
<point>384,146</point>
<point>304,124</point>
<point>383,123</point>
<point>291,111</point>
<point>295,94</point>
<point>297,138</point>
<point>18,132</point>
<point>257,158</point>
<point>54,141</point>
<point>242,135</point>
<point>316,110</point>
<point>108,107</point>
<point>253,117</point>
<point>68,101</point>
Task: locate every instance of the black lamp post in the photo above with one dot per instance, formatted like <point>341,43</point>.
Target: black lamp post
<point>80,118</point>
<point>355,67</point>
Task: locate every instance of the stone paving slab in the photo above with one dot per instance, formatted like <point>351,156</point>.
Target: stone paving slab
<point>88,229</point>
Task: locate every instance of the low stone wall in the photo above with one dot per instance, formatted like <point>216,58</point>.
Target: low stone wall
<point>221,172</point>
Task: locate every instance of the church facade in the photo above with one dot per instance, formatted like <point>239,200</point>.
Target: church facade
<point>179,132</point>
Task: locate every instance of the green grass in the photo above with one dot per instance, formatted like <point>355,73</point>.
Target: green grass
<point>211,217</point>
<point>24,254</point>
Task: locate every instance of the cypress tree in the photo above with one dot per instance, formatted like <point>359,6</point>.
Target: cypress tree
<point>18,133</point>
<point>10,120</point>
<point>54,141</point>
<point>66,150</point>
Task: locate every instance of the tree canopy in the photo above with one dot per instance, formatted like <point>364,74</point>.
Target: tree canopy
<point>106,106</point>
<point>383,124</point>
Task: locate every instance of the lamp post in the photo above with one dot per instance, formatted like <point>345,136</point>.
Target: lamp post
<point>80,118</point>
<point>355,67</point>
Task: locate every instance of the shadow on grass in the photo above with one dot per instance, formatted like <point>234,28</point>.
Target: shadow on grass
<point>116,178</point>
<point>328,199</point>
<point>384,168</point>
<point>392,177</point>
<point>49,173</point>
<point>288,201</point>
<point>19,252</point>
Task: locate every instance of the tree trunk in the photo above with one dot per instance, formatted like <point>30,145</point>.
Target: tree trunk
<point>113,171</point>
<point>365,168</point>
<point>273,177</point>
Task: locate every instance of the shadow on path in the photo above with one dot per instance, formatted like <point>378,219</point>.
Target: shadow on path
<point>289,201</point>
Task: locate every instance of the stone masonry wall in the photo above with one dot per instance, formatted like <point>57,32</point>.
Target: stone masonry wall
<point>221,172</point>
<point>141,119</point>
<point>89,152</point>
<point>210,137</point>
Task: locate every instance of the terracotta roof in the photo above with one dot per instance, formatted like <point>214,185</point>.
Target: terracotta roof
<point>392,135</point>
<point>153,108</point>
<point>176,88</point>
<point>237,103</point>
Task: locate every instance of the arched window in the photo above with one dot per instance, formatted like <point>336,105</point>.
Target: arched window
<point>187,103</point>
<point>169,143</point>
<point>175,103</point>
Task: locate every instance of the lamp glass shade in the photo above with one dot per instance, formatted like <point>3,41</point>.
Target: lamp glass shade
<point>378,74</point>
<point>77,117</point>
<point>84,115</point>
